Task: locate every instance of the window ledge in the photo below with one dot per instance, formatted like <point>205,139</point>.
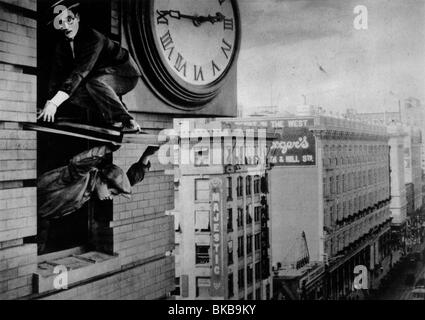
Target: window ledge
<point>203,265</point>
<point>80,267</point>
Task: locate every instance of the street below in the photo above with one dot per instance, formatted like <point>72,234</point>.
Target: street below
<point>400,281</point>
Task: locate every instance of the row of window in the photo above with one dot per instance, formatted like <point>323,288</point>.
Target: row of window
<point>239,186</point>
<point>257,246</point>
<point>202,252</point>
<point>335,214</point>
<point>202,218</point>
<point>337,161</point>
<point>337,184</point>
<point>241,275</point>
<point>202,187</point>
<point>337,243</point>
<point>349,154</point>
<point>239,218</point>
<point>250,273</point>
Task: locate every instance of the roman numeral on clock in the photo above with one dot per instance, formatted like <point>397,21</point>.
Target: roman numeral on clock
<point>221,2</point>
<point>198,73</point>
<point>167,43</point>
<point>226,49</point>
<point>179,65</point>
<point>228,24</point>
<point>215,67</point>
<point>166,40</point>
<point>161,19</point>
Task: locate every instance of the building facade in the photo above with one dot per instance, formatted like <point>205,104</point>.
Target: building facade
<point>222,246</point>
<point>408,121</point>
<point>336,190</point>
<point>413,164</point>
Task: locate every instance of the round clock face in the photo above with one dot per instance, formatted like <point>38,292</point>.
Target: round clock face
<point>185,48</point>
<point>195,38</point>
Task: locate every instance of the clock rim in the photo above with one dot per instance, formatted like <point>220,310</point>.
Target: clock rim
<point>156,72</point>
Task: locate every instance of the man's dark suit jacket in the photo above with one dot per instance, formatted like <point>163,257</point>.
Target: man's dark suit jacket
<point>95,54</point>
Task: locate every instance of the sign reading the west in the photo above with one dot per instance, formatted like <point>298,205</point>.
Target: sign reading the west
<point>197,38</point>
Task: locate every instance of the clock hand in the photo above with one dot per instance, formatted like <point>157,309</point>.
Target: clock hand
<point>177,15</point>
<point>213,19</point>
<point>197,20</point>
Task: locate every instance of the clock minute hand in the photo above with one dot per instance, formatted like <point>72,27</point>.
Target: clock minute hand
<point>177,15</point>
<point>197,20</point>
<point>213,19</point>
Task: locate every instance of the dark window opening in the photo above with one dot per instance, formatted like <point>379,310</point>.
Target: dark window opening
<point>240,218</point>
<point>249,274</point>
<point>240,247</point>
<point>229,220</point>
<point>230,285</point>
<point>229,188</point>
<point>176,291</point>
<point>249,244</point>
<point>202,254</point>
<point>230,253</point>
<point>239,187</point>
<point>248,185</point>
<point>248,215</point>
<point>241,278</point>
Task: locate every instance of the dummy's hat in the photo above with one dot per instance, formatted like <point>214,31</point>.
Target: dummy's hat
<point>116,178</point>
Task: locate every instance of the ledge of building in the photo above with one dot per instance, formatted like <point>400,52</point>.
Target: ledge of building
<point>51,275</point>
<point>142,138</point>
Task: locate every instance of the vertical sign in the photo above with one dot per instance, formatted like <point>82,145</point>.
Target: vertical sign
<point>264,258</point>
<point>217,256</point>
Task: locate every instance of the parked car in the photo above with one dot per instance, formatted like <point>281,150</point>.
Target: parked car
<point>417,294</point>
<point>420,284</point>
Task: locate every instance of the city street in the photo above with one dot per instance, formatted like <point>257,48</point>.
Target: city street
<point>397,289</point>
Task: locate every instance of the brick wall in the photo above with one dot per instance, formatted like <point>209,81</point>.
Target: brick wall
<point>17,33</point>
<point>148,282</point>
<point>17,264</point>
<point>140,231</point>
<point>140,227</point>
<point>17,147</point>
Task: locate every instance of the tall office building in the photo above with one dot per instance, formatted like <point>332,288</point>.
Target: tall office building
<point>330,182</point>
<point>221,214</point>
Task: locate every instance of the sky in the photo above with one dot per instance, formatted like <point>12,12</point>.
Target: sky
<point>293,50</point>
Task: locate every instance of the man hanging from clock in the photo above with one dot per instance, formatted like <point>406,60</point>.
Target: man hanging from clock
<point>90,71</point>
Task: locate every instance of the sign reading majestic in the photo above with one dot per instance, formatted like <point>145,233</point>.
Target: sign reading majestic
<point>217,254</point>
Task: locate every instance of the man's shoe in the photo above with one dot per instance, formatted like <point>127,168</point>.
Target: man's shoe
<point>131,127</point>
